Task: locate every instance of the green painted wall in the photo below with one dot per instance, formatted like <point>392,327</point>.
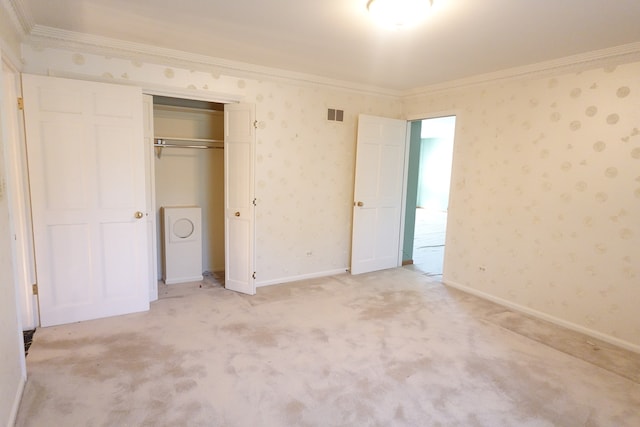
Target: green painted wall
<point>412,190</point>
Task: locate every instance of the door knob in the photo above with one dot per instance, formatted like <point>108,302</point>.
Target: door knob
<point>138,215</point>
<point>237,214</point>
<point>360,204</point>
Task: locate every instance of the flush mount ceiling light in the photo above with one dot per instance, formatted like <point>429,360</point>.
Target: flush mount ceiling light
<point>398,13</point>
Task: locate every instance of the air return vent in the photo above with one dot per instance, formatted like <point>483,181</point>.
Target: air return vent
<point>335,115</point>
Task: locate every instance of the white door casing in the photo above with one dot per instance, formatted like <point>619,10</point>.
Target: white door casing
<point>239,155</point>
<point>18,192</point>
<point>86,167</point>
<point>377,210</point>
<point>150,187</point>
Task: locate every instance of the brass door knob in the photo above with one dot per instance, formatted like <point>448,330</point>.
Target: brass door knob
<point>138,215</point>
<point>237,214</point>
<point>360,204</point>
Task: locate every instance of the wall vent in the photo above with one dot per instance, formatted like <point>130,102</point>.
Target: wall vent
<point>335,115</point>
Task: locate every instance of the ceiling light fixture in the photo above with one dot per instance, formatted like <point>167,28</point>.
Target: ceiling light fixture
<point>398,13</point>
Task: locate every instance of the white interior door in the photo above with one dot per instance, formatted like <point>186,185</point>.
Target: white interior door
<point>86,168</point>
<point>18,192</point>
<point>239,149</point>
<point>377,209</point>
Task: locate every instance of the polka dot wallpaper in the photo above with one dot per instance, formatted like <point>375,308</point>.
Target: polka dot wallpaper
<point>545,200</point>
<point>304,163</point>
<point>545,192</point>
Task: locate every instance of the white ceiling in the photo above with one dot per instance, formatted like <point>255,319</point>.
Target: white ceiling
<point>336,39</point>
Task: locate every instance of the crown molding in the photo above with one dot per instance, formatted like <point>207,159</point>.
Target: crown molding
<point>153,89</point>
<point>20,15</point>
<point>44,36</point>
<point>610,56</point>
<point>9,56</point>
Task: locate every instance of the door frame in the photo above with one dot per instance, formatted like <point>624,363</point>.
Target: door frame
<point>411,118</point>
<point>418,117</point>
<point>97,219</point>
<point>218,98</point>
<point>21,200</point>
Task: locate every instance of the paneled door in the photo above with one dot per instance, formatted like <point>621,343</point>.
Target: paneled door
<point>86,168</point>
<point>377,208</point>
<point>239,154</point>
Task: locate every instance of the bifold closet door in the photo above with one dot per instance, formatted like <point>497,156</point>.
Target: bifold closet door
<point>239,154</point>
<point>86,169</point>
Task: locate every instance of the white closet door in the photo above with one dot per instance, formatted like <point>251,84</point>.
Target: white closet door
<point>86,169</point>
<point>239,154</point>
<point>377,210</point>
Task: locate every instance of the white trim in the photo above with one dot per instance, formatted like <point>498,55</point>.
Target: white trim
<point>405,184</point>
<point>43,36</point>
<point>548,317</point>
<point>152,89</point>
<point>20,16</point>
<point>198,95</point>
<point>9,56</point>
<point>302,277</point>
<point>13,415</point>
<point>150,190</point>
<point>435,115</point>
<point>19,200</point>
<point>618,54</point>
<point>429,116</point>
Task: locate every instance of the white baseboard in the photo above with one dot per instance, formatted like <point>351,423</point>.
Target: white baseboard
<point>13,415</point>
<point>549,318</point>
<point>301,277</point>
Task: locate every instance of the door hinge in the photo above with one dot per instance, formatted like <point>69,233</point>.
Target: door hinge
<point>34,288</point>
<point>255,124</point>
<point>254,202</point>
<point>254,275</point>
<point>20,104</point>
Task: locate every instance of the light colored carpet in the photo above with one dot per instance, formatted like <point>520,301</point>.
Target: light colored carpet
<point>391,348</point>
<point>429,241</point>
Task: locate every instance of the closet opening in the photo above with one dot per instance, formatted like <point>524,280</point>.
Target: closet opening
<point>188,166</point>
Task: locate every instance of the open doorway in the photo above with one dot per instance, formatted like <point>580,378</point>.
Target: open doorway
<point>201,189</point>
<point>428,184</point>
<point>189,189</point>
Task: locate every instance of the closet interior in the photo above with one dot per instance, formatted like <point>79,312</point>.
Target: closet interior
<point>189,188</point>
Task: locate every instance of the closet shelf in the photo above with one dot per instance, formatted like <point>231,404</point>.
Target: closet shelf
<point>184,109</point>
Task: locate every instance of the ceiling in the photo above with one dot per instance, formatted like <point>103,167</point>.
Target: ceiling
<point>336,39</point>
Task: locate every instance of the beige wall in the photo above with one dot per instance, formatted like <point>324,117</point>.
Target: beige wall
<point>545,200</point>
<point>304,163</point>
<point>545,187</point>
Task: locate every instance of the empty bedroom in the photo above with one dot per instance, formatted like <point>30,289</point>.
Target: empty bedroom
<point>211,212</point>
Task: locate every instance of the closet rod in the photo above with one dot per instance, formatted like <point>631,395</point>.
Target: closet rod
<point>160,143</point>
<point>167,141</point>
<point>185,146</point>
